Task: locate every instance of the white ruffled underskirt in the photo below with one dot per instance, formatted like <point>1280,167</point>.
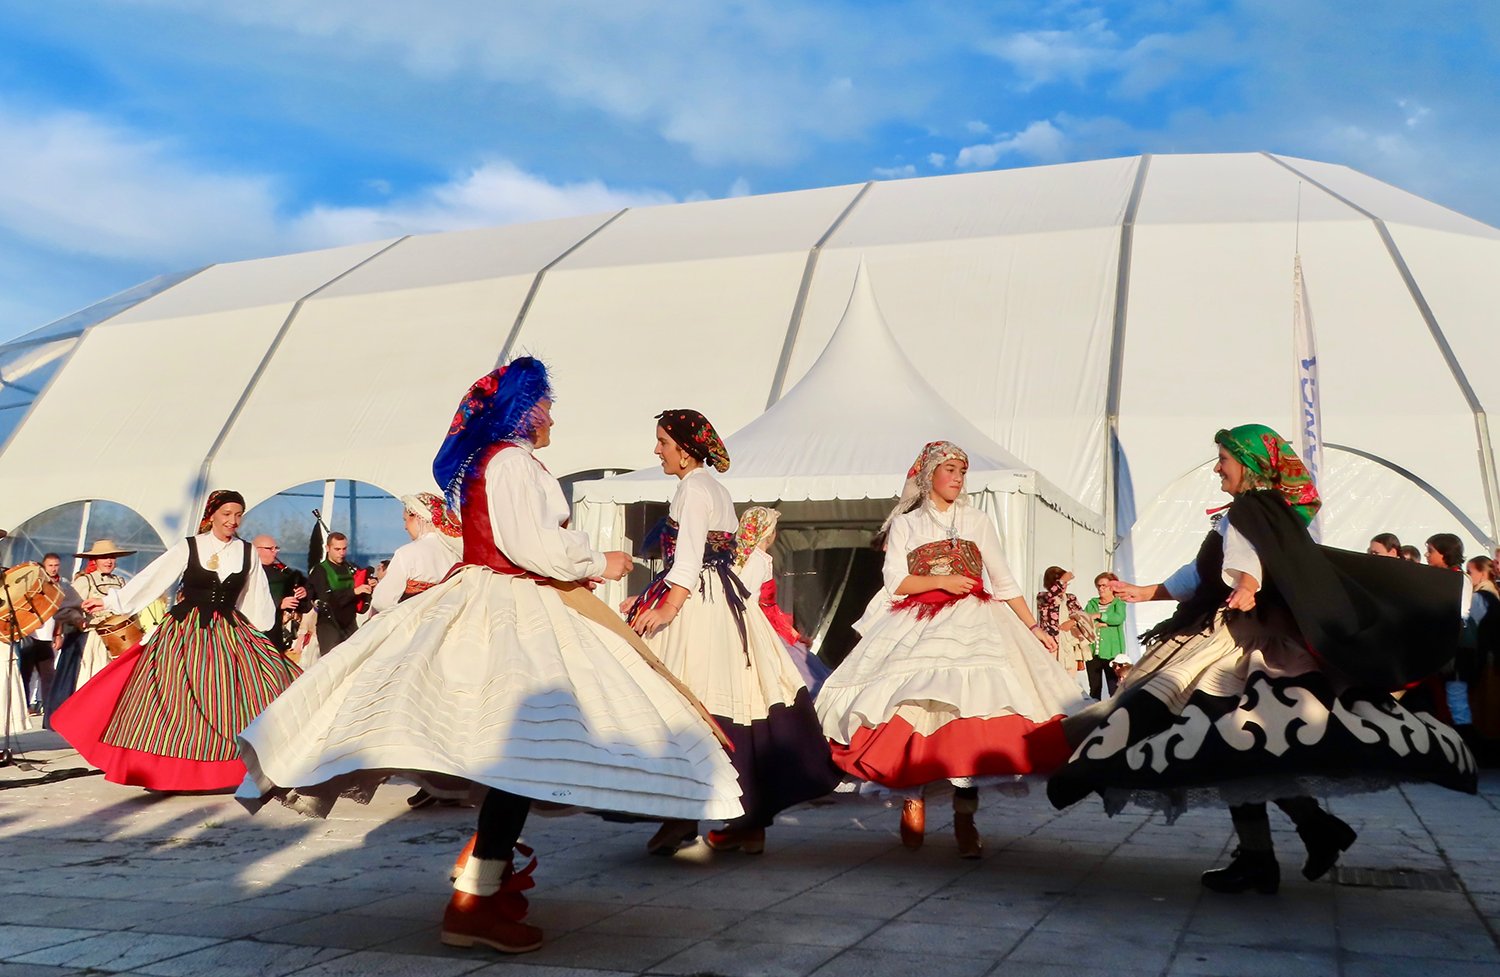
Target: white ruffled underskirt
<point>489,679</point>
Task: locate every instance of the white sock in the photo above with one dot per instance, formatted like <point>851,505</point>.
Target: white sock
<point>481,876</point>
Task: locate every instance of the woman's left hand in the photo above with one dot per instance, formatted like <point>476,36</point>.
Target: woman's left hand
<point>1242,598</point>
<point>648,622</point>
<point>1048,642</point>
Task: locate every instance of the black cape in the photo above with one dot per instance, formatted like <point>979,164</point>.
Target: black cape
<point>1386,623</point>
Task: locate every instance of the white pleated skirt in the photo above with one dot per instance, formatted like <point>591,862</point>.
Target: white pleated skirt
<point>490,679</point>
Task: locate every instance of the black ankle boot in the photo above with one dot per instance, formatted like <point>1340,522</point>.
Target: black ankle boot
<point>1250,870</point>
<point>1326,838</point>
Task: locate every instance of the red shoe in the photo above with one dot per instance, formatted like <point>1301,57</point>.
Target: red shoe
<point>751,841</point>
<point>471,919</point>
<point>913,823</point>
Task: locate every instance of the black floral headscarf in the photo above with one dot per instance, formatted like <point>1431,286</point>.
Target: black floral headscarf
<point>696,436</point>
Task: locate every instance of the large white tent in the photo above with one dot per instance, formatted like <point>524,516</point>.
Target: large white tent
<point>1097,320</point>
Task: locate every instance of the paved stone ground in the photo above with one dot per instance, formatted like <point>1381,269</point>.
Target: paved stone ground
<point>99,878</point>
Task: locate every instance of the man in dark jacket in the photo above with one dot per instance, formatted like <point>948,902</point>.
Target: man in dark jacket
<point>288,592</point>
<point>338,599</point>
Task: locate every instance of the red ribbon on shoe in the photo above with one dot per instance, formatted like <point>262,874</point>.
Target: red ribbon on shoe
<point>513,883</point>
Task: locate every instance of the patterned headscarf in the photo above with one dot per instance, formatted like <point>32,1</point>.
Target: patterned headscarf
<point>696,436</point>
<point>217,499</point>
<point>431,508</point>
<point>919,477</point>
<point>497,408</point>
<point>1270,463</point>
<point>756,523</point>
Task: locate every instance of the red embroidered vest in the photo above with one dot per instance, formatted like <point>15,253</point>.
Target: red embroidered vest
<point>479,536</point>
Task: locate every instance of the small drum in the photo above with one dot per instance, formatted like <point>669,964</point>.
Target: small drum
<point>120,632</point>
<point>28,599</point>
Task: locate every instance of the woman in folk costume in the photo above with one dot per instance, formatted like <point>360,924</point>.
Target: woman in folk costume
<point>1271,681</point>
<point>508,675</point>
<point>1061,616</point>
<point>955,679</point>
<point>164,714</point>
<point>696,618</point>
<point>436,545</point>
<point>753,565</point>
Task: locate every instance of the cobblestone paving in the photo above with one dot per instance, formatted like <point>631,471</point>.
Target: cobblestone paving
<point>97,878</point>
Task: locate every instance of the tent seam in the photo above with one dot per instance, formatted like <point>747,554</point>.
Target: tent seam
<point>794,324</point>
<point>206,469</point>
<point>1117,356</point>
<point>1481,420</point>
<point>536,284</point>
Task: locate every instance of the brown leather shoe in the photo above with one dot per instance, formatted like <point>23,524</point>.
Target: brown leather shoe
<point>913,823</point>
<point>967,835</point>
<point>670,836</point>
<point>471,919</point>
<point>751,841</point>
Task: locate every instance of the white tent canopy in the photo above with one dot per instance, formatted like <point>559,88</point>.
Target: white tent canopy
<point>1097,320</point>
<point>850,429</point>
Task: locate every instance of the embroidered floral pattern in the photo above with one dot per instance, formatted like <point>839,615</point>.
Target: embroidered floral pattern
<point>696,436</point>
<point>1271,463</point>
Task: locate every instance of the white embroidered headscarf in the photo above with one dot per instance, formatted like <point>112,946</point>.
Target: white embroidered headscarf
<point>919,477</point>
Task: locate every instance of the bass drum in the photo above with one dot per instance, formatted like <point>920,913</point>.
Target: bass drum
<point>120,632</point>
<point>28,599</point>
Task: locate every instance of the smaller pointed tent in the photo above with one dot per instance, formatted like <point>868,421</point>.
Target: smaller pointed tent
<point>849,429</point>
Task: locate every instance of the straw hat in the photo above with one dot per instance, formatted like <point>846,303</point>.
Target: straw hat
<point>102,549</point>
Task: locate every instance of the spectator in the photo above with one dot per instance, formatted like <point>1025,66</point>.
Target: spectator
<point>1386,544</point>
<point>1446,552</point>
<point>339,600</point>
<point>288,592</point>
<point>1411,553</point>
<point>1058,613</point>
<point>34,654</point>
<point>1484,687</point>
<point>1109,613</point>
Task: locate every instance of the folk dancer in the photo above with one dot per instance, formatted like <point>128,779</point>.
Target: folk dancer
<point>542,691</point>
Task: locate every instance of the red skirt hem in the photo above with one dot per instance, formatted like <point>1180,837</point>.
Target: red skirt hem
<point>895,755</point>
<point>82,719</point>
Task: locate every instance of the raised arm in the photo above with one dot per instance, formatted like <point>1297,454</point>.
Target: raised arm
<point>150,583</point>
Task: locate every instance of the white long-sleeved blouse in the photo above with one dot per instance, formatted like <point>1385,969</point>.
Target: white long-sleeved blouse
<point>926,525</point>
<point>1239,555</point>
<point>529,515</point>
<point>757,570</point>
<point>254,600</point>
<point>426,559</point>
<point>701,505</point>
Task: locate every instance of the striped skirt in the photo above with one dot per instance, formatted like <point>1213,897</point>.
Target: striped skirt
<point>165,714</point>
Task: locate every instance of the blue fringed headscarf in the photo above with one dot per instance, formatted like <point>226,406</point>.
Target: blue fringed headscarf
<point>497,408</point>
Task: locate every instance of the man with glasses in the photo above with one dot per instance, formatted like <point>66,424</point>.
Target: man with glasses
<point>288,591</point>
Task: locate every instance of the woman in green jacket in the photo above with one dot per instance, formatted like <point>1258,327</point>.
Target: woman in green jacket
<point>1108,614</point>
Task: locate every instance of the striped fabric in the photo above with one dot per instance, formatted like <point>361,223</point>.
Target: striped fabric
<point>195,688</point>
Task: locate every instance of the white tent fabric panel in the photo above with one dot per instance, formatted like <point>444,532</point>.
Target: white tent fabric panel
<point>735,227</point>
<point>354,391</point>
<point>1232,188</point>
<point>428,260</point>
<point>246,284</point>
<point>1390,204</point>
<point>132,415</point>
<point>1365,320</point>
<point>626,343</point>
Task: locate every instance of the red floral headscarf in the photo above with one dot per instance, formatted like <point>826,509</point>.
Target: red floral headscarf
<point>696,436</point>
<point>217,499</point>
<point>432,508</point>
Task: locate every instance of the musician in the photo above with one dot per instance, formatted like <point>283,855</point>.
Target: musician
<point>34,654</point>
<point>436,545</point>
<point>339,599</point>
<point>288,592</point>
<point>97,579</point>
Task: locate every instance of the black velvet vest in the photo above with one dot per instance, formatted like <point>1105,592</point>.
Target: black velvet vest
<point>202,588</point>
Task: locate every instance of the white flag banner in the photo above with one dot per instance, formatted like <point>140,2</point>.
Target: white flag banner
<point>1309,409</point>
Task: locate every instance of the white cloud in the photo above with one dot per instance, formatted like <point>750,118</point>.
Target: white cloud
<point>938,160</point>
<point>976,127</point>
<point>895,172</point>
<point>740,187</point>
<point>757,81</point>
<point>73,183</point>
<point>1051,55</point>
<point>1091,47</point>
<point>1040,141</point>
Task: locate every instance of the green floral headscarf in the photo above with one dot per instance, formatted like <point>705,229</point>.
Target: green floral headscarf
<point>1270,463</point>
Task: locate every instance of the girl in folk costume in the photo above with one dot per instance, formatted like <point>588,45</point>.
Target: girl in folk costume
<point>696,618</point>
<point>954,680</point>
<point>436,544</point>
<point>164,714</point>
<point>1270,682</point>
<point>508,675</point>
<point>752,562</point>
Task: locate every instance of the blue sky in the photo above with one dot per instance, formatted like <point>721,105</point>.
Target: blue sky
<point>145,136</point>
